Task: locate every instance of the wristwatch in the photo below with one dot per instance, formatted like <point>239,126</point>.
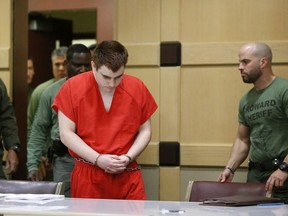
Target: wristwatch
<point>283,166</point>
<point>16,148</point>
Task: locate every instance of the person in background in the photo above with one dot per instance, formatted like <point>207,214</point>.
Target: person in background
<point>92,47</point>
<point>30,75</point>
<point>46,123</point>
<point>263,123</point>
<point>105,123</point>
<point>58,58</point>
<point>9,133</point>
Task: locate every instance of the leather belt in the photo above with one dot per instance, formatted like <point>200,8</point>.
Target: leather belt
<point>265,166</point>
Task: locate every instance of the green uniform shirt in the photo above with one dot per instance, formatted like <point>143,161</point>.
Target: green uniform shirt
<point>8,123</point>
<point>265,112</point>
<point>45,126</point>
<point>34,102</point>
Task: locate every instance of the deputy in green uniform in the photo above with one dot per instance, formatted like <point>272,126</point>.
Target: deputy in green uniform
<point>9,133</point>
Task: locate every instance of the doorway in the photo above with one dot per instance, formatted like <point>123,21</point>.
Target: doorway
<point>39,41</point>
<point>51,29</point>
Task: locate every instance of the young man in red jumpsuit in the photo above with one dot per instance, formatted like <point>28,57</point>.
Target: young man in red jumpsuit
<point>104,120</point>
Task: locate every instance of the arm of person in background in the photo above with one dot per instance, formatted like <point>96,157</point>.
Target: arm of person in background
<point>31,111</point>
<point>9,130</point>
<point>40,132</point>
<point>239,153</point>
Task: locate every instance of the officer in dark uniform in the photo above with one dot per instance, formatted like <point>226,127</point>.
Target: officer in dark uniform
<point>9,138</point>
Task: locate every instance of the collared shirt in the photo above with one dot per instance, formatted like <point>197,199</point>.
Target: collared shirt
<point>45,127</point>
<point>34,102</point>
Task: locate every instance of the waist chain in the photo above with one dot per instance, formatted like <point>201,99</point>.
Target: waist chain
<point>128,169</point>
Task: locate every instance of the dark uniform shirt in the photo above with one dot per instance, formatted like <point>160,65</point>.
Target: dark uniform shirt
<point>8,124</point>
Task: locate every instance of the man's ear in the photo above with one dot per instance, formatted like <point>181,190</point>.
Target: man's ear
<point>263,62</point>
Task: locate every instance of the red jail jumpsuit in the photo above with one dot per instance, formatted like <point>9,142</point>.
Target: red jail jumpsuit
<point>111,132</point>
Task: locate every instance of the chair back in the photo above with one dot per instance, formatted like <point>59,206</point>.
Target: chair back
<point>197,191</point>
<point>31,187</point>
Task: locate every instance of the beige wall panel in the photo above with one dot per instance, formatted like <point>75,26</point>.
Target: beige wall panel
<point>205,174</point>
<point>210,94</point>
<point>226,20</point>
<point>4,58</point>
<point>150,156</point>
<point>138,21</point>
<point>170,13</point>
<point>151,180</point>
<point>5,44</point>
<point>5,22</point>
<point>170,104</point>
<point>147,54</point>
<point>279,50</point>
<point>200,154</point>
<point>208,128</point>
<point>151,77</point>
<point>169,183</point>
<point>226,53</point>
<point>210,53</point>
<point>209,103</point>
<point>281,70</point>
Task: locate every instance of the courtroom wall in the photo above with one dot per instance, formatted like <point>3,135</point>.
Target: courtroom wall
<point>198,99</point>
<point>197,88</point>
<point>5,44</point>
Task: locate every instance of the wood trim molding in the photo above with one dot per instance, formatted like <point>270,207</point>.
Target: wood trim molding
<point>200,154</point>
<point>143,54</point>
<point>226,53</point>
<point>150,156</point>
<point>4,58</point>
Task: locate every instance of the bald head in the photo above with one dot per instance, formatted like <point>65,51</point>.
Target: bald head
<point>259,50</point>
<point>255,64</point>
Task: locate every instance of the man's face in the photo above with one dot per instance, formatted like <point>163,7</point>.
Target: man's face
<point>249,66</point>
<point>30,71</point>
<point>107,79</point>
<point>81,62</point>
<point>59,67</point>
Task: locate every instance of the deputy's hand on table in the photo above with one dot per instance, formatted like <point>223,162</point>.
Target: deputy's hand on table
<point>276,179</point>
